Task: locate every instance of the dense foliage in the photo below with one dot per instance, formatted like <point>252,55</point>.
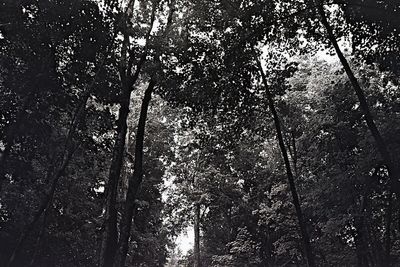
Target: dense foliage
<point>269,127</point>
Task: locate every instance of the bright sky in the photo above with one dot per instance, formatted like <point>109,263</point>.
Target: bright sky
<point>185,240</point>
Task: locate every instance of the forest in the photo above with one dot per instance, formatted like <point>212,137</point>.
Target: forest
<point>269,130</point>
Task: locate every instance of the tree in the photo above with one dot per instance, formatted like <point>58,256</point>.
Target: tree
<point>45,20</point>
<point>341,132</point>
<point>128,78</point>
<point>382,147</point>
<point>296,201</point>
<point>123,123</point>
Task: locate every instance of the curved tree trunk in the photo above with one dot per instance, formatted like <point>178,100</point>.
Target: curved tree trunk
<point>289,173</point>
<point>134,180</point>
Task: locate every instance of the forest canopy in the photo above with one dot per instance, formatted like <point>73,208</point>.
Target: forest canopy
<point>269,128</point>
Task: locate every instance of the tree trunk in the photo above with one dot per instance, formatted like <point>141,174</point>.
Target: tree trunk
<point>382,148</point>
<point>109,244</point>
<point>134,180</point>
<point>360,239</point>
<point>39,240</point>
<point>110,232</point>
<point>196,250</point>
<point>66,157</point>
<point>289,173</point>
<point>43,207</point>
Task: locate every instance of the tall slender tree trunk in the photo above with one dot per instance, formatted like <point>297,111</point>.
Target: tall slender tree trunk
<point>110,241</point>
<point>66,156</point>
<point>196,228</point>
<point>110,231</point>
<point>42,209</point>
<point>266,247</point>
<point>56,172</point>
<point>360,238</point>
<point>39,240</point>
<point>134,180</point>
<point>381,145</point>
<point>289,173</point>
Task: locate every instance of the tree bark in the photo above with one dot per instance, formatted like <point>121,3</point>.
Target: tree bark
<point>39,240</point>
<point>66,156</point>
<point>43,207</point>
<point>289,173</point>
<point>380,143</point>
<point>196,250</point>
<point>360,239</point>
<point>134,180</point>
<point>110,232</point>
<point>109,244</point>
